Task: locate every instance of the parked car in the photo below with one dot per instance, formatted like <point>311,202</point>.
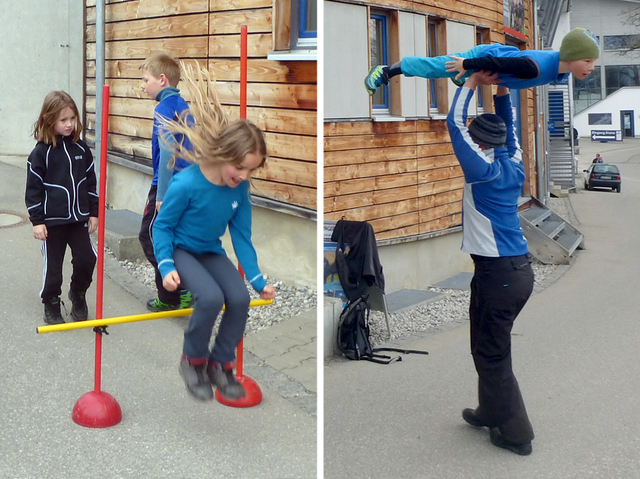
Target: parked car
<point>602,175</point>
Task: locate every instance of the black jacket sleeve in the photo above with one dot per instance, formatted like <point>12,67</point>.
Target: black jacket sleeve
<point>91,181</point>
<point>34,196</point>
<point>523,68</point>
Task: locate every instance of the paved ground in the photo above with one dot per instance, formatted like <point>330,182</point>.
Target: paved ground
<point>575,354</point>
<point>164,433</point>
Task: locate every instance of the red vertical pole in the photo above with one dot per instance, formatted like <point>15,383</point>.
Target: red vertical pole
<point>98,408</point>
<point>243,72</point>
<point>254,394</point>
<point>243,115</point>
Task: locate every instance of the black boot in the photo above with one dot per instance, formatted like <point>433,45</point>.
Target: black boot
<point>221,376</point>
<point>79,310</point>
<point>52,312</point>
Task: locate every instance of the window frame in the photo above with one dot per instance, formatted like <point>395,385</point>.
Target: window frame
<point>285,32</point>
<point>433,51</point>
<point>301,38</point>
<point>384,17</point>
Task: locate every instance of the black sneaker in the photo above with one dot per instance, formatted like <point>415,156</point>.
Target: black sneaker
<point>52,312</point>
<point>221,376</point>
<point>79,310</point>
<point>158,306</point>
<point>196,380</point>
<point>459,82</point>
<point>497,439</point>
<point>186,299</point>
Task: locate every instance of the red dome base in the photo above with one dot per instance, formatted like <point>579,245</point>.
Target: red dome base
<point>253,397</point>
<point>97,409</point>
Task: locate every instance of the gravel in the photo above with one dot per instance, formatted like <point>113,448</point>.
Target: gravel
<point>289,301</point>
<point>451,308</point>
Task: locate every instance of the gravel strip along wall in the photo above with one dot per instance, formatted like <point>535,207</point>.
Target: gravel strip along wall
<point>452,308</point>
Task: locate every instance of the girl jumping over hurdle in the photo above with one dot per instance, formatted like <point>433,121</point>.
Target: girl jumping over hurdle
<point>201,201</point>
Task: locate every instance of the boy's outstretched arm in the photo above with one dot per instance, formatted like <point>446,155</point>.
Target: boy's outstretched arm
<point>522,68</point>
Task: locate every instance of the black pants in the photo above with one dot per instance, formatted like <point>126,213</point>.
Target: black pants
<point>499,290</point>
<point>146,240</point>
<point>76,235</point>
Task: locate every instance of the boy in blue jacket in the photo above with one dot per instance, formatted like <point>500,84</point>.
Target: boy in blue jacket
<point>160,76</point>
<point>517,69</point>
<point>491,160</point>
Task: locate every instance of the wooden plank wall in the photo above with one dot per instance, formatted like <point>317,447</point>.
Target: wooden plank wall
<point>281,96</point>
<point>403,177</point>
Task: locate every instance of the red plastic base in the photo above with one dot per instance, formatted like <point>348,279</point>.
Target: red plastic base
<point>97,409</point>
<point>253,397</point>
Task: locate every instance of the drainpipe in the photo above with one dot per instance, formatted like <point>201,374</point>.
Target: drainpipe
<point>540,146</point>
<point>99,75</point>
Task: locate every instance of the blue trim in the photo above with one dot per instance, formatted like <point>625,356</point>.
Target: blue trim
<point>433,99</point>
<point>302,22</point>
<point>383,21</point>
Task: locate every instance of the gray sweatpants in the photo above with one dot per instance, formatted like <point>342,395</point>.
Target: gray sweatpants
<point>214,281</point>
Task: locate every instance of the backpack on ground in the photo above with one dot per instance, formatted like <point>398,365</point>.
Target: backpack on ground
<point>353,335</point>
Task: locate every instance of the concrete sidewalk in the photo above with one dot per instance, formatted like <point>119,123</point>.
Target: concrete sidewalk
<point>164,433</point>
<point>575,355</point>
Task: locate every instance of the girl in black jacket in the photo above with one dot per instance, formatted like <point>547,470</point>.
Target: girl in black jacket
<point>62,203</point>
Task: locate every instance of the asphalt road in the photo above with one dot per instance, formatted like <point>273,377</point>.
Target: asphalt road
<point>576,354</point>
<point>164,433</point>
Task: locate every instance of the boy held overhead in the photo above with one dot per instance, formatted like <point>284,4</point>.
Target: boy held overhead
<point>517,69</point>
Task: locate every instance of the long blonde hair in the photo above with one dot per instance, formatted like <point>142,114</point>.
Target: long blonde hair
<point>44,129</point>
<point>212,137</point>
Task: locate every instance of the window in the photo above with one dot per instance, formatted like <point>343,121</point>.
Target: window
<point>379,40</point>
<point>295,35</point>
<point>433,49</point>
<point>304,16</point>
<point>621,42</point>
<point>482,89</point>
<point>617,76</point>
<point>600,119</point>
<point>588,91</point>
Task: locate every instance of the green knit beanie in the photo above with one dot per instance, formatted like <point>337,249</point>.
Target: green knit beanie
<point>579,44</point>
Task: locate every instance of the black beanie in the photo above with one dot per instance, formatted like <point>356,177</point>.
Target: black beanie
<point>489,130</point>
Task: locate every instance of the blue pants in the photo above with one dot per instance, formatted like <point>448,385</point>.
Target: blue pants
<point>214,281</point>
<point>499,290</point>
<point>434,67</point>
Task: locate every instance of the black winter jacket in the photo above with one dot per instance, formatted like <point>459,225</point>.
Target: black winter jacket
<point>61,183</point>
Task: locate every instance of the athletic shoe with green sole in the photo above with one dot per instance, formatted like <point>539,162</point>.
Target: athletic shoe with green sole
<point>377,76</point>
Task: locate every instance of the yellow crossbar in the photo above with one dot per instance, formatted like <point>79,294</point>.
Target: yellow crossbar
<point>94,323</point>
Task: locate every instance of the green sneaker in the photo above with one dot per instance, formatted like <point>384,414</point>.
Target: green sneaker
<point>158,306</point>
<point>186,299</point>
<point>377,76</point>
<point>459,82</point>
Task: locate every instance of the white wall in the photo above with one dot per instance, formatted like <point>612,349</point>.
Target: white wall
<point>418,264</point>
<point>34,63</point>
<point>626,98</point>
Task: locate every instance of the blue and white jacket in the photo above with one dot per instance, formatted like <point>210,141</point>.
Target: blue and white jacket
<point>61,183</point>
<point>493,182</point>
<point>194,216</point>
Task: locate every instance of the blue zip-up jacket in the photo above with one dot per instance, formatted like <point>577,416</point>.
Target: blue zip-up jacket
<point>194,216</point>
<point>170,105</point>
<point>493,183</point>
<point>61,183</point>
<point>546,62</point>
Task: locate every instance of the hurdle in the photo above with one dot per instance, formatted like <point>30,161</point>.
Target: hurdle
<point>98,323</point>
<point>97,408</point>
